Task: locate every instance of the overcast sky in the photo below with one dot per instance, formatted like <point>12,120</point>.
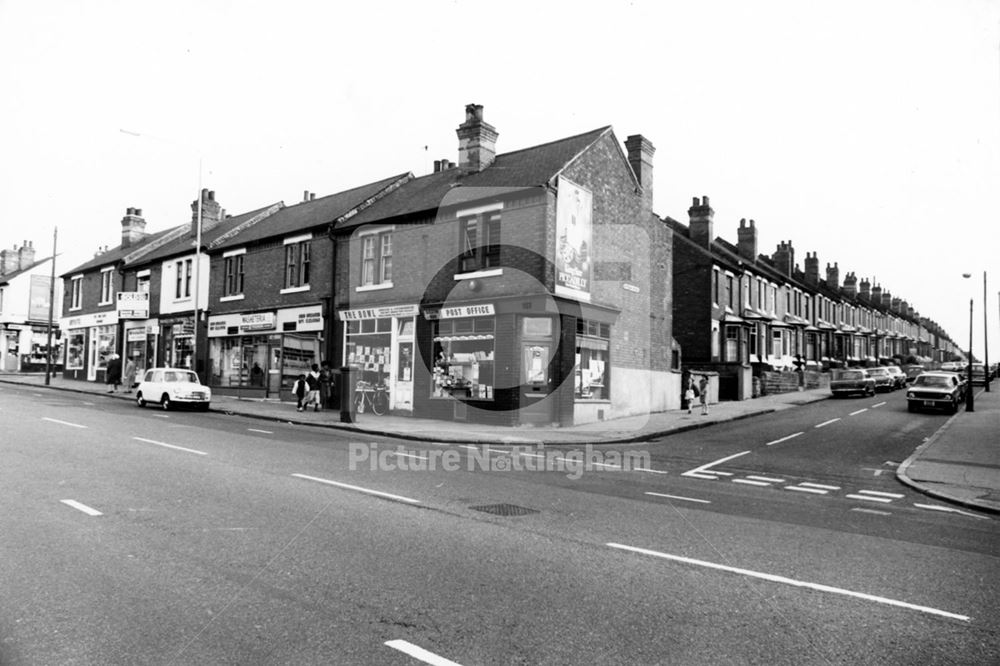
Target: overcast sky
<point>868,132</point>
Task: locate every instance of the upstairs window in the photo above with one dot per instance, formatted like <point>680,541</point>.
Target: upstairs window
<point>479,242</point>
<point>76,292</point>
<point>376,259</point>
<point>107,285</point>
<point>297,264</point>
<point>183,270</point>
<point>233,285</point>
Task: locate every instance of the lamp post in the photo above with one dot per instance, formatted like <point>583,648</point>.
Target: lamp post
<point>970,404</point>
<point>986,347</point>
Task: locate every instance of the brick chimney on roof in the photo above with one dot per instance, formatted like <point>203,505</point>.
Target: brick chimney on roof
<point>701,215</point>
<point>746,240</point>
<point>851,284</point>
<point>877,294</point>
<point>133,227</point>
<point>886,299</point>
<point>26,255</point>
<point>477,140</point>
<point>833,276</point>
<point>812,268</point>
<point>784,258</point>
<point>640,157</point>
<point>9,260</point>
<point>211,212</point>
<point>866,288</point>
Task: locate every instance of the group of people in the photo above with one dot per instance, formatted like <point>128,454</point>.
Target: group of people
<point>315,389</point>
<point>115,375</point>
<point>699,390</point>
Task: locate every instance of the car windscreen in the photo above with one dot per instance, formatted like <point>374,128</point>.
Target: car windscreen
<point>932,381</point>
<point>852,375</point>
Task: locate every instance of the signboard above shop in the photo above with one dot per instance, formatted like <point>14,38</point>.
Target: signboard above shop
<point>133,305</point>
<point>379,312</point>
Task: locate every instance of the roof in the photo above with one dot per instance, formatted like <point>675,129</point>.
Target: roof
<point>115,254</point>
<point>186,242</point>
<point>7,277</point>
<point>307,214</point>
<point>526,168</point>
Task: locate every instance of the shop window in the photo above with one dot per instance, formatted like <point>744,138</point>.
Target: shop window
<point>233,285</point>
<point>593,361</point>
<point>74,350</point>
<point>297,264</point>
<point>238,361</point>
<point>107,285</point>
<point>463,358</point>
<point>106,344</point>
<point>479,242</point>
<point>376,258</point>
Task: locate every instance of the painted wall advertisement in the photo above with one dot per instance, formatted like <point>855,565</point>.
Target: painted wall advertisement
<point>574,207</point>
<point>38,303</point>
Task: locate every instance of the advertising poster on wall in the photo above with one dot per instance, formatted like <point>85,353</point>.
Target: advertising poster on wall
<point>38,303</point>
<point>574,206</point>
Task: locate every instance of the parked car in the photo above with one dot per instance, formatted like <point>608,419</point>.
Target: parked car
<point>848,382</point>
<point>883,380</point>
<point>935,390</point>
<point>898,376</point>
<point>170,387</point>
<point>978,373</point>
<point>913,371</point>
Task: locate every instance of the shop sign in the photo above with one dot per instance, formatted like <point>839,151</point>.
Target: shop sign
<point>258,321</point>
<point>308,318</point>
<point>96,319</point>
<point>133,304</point>
<point>380,312</point>
<point>136,334</point>
<point>482,310</point>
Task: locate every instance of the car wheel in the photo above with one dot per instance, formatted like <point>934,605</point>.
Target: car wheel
<point>165,403</point>
<point>954,406</point>
<point>139,401</point>
<point>871,391</point>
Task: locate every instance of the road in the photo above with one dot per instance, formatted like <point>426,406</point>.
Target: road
<point>135,536</point>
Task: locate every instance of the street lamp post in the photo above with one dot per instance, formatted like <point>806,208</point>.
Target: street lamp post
<point>970,405</point>
<point>986,347</point>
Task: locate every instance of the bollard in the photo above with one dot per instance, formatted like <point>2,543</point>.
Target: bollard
<point>347,386</point>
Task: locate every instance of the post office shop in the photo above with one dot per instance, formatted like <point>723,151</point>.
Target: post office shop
<point>378,344</point>
<point>263,353</point>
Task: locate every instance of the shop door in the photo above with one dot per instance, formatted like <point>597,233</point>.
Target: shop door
<point>92,357</point>
<point>536,384</point>
<point>273,369</point>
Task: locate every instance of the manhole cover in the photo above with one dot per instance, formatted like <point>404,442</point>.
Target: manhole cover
<point>504,509</point>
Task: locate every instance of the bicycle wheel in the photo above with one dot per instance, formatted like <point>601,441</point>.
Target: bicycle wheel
<point>380,403</point>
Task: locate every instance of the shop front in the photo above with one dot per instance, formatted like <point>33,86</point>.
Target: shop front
<point>90,340</point>
<point>140,344</point>
<point>379,344</point>
<point>177,337</point>
<point>263,353</point>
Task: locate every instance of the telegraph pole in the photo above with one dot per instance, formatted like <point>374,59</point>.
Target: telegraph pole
<point>52,304</point>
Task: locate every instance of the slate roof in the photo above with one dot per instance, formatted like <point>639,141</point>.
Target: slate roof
<point>7,277</point>
<point>529,167</point>
<point>114,255</point>
<point>308,214</point>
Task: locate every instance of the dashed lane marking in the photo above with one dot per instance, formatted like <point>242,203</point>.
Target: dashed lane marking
<point>877,404</point>
<point>170,446</point>
<point>879,493</point>
<point>81,507</point>
<point>359,489</point>
<point>791,581</point>
<point>784,439</point>
<point>815,491</point>
<point>826,423</point>
<point>266,432</point>
<point>650,470</point>
<point>65,423</point>
<point>751,482</point>
<point>419,653</point>
<point>872,511</point>
<point>884,500</point>
<point>858,412</point>
<point>679,497</point>
<point>769,479</point>
<point>809,484</point>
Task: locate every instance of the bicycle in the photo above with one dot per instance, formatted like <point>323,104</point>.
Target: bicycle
<point>376,396</point>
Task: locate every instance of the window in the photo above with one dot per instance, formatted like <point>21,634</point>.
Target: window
<point>142,284</point>
<point>107,285</point>
<point>776,338</point>
<point>76,292</point>
<point>753,341</point>
<point>74,350</point>
<point>715,287</point>
<point>234,275</point>
<point>592,380</point>
<point>479,242</point>
<point>183,269</point>
<point>730,292</point>
<point>732,343</point>
<point>376,259</point>
<point>463,358</point>
<point>297,264</point>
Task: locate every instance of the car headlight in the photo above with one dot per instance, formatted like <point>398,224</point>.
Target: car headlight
<point>909,394</point>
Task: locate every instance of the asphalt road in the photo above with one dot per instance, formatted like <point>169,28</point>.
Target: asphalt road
<point>226,540</point>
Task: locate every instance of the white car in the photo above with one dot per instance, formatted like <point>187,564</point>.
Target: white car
<point>171,387</point>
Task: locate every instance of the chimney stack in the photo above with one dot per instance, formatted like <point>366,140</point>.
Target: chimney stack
<point>784,258</point>
<point>886,299</point>
<point>700,215</point>
<point>877,295</point>
<point>866,287</point>
<point>133,227</point>
<point>833,276</point>
<point>211,212</point>
<point>640,157</point>
<point>851,284</point>
<point>477,140</point>
<point>26,255</point>
<point>8,261</point>
<point>746,241</point>
<point>812,268</point>
<point>897,305</point>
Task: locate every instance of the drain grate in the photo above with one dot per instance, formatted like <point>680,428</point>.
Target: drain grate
<point>504,509</point>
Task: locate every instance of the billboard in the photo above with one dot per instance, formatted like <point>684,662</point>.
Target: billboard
<point>38,303</point>
<point>574,234</point>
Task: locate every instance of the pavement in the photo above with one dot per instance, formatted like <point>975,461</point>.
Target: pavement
<point>960,463</point>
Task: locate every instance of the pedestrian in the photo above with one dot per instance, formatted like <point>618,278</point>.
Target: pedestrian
<point>312,389</point>
<point>325,383</point>
<point>299,391</point>
<point>113,373</point>
<point>130,371</point>
<point>703,391</point>
<point>690,393</point>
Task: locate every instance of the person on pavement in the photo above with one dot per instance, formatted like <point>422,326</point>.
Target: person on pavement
<point>703,391</point>
<point>113,373</point>
<point>129,378</point>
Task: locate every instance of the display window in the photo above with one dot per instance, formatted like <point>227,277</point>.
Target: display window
<point>593,362</point>
<point>106,344</point>
<point>238,361</point>
<point>463,358</point>
<point>299,352</point>
<point>74,350</point>
<point>369,348</point>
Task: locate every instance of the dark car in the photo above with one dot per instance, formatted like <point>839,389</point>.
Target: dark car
<point>935,390</point>
<point>913,371</point>
<point>848,382</point>
<point>883,380</point>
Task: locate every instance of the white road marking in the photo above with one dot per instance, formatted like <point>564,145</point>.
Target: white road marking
<point>701,476</point>
<point>678,497</point>
<point>874,511</point>
<point>169,446</point>
<point>469,446</point>
<point>65,423</point>
<point>719,473</point>
<point>858,412</point>
<point>266,432</point>
<point>816,491</point>
<point>791,581</point>
<point>948,509</point>
<point>704,468</point>
<point>881,494</point>
<point>751,482</point>
<point>89,404</point>
<point>37,395</point>
<point>826,423</point>
<point>808,484</point>
<point>769,479</point>
<point>407,455</point>
<point>523,453</point>
<point>783,439</point>
<point>357,488</point>
<point>878,404</point>
<point>161,416</point>
<point>419,653</point>
<point>647,469</point>
<point>885,500</point>
<point>82,507</point>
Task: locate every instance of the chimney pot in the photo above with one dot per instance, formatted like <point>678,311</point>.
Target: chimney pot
<point>477,140</point>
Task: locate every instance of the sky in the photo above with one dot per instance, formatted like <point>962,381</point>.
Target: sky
<point>865,131</point>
